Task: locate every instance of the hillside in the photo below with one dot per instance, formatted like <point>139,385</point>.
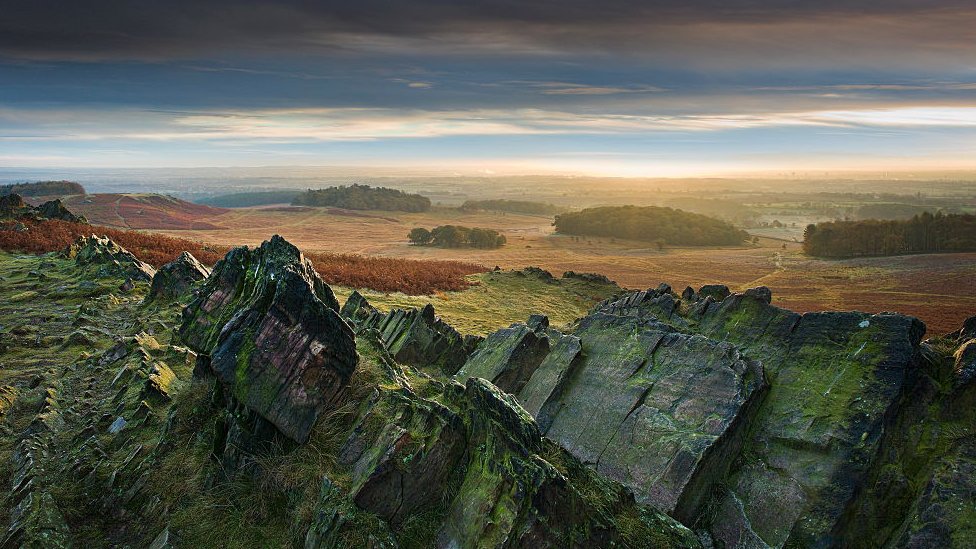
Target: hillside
<point>244,407</point>
<point>143,211</point>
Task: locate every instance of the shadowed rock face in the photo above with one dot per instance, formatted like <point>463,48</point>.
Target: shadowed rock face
<point>273,334</point>
<point>108,259</point>
<point>175,278</point>
<point>413,336</point>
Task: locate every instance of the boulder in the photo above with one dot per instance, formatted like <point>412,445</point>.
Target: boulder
<point>107,258</point>
<point>175,278</point>
<point>273,334</point>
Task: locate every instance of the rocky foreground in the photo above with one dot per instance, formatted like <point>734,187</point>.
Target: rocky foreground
<point>243,407</point>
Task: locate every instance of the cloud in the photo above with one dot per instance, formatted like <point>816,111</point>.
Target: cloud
<point>280,126</point>
<point>707,32</point>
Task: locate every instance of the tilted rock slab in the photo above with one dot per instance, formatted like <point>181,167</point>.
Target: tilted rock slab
<point>660,411</point>
<point>834,378</point>
<point>273,334</point>
<point>413,336</point>
<point>175,278</point>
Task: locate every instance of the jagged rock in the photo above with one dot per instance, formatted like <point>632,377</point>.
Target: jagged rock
<point>537,272</point>
<point>414,336</point>
<point>54,209</point>
<point>108,258</point>
<point>356,308</point>
<point>13,206</point>
<point>507,358</point>
<point>174,279</point>
<point>965,364</point>
<point>128,285</point>
<point>540,396</point>
<point>401,470</point>
<point>275,339</point>
<point>8,395</point>
<point>21,228</point>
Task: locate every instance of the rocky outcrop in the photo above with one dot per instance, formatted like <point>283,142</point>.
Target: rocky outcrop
<point>269,329</point>
<point>108,259</point>
<point>55,209</point>
<point>174,279</point>
<point>659,411</point>
<point>12,206</point>
<point>835,378</point>
<point>413,336</point>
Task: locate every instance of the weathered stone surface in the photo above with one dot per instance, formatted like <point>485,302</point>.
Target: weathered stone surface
<point>541,395</point>
<point>594,278</point>
<point>507,357</point>
<point>413,336</point>
<point>660,411</point>
<point>108,259</point>
<point>274,336</point>
<point>175,278</point>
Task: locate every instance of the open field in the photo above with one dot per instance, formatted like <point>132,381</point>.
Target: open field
<point>936,288</point>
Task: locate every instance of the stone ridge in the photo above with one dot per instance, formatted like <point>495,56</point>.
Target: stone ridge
<point>273,336</point>
<point>413,336</point>
<point>107,259</point>
<point>835,378</point>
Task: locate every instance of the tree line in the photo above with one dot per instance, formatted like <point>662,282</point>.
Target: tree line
<point>924,233</point>
<point>650,224</point>
<point>513,206</point>
<point>43,188</point>
<point>363,197</point>
<point>455,236</point>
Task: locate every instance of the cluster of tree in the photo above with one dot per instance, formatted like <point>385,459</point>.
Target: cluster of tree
<point>454,236</point>
<point>650,224</point>
<point>246,200</point>
<point>43,188</point>
<point>925,233</point>
<point>513,206</point>
<point>363,197</point>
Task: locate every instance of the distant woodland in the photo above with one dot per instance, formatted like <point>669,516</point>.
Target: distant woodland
<point>245,200</point>
<point>650,224</point>
<point>925,233</point>
<point>455,236</point>
<point>43,188</point>
<point>513,206</point>
<point>364,197</point>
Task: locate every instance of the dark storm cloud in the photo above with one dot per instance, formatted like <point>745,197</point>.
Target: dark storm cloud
<point>126,29</point>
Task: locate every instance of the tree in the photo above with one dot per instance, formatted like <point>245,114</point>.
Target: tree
<point>420,236</point>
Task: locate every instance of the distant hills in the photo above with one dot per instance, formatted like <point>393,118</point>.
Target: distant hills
<point>142,211</point>
<point>513,206</point>
<point>43,188</point>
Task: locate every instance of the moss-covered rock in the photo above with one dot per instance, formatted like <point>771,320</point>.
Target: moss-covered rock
<point>273,335</point>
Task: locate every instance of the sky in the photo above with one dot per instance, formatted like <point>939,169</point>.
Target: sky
<point>657,88</point>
